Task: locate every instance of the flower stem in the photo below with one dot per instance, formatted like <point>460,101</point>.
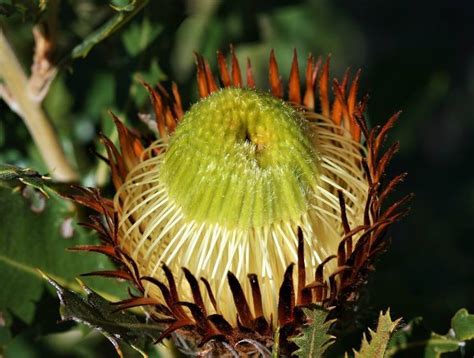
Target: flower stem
<point>29,109</point>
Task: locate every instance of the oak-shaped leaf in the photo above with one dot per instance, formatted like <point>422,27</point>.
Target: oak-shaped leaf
<point>13,176</point>
<point>36,229</point>
<point>375,345</point>
<point>314,339</point>
<point>416,340</point>
<point>98,313</point>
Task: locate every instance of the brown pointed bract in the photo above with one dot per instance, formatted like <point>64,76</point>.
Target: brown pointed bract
<point>276,85</point>
<point>294,94</point>
<point>167,108</point>
<point>312,69</point>
<point>250,78</point>
<point>224,73</point>
<point>236,75</point>
<point>323,89</point>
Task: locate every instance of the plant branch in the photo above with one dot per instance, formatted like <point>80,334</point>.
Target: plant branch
<point>28,107</point>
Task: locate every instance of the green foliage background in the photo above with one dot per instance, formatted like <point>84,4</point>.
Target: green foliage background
<point>415,56</point>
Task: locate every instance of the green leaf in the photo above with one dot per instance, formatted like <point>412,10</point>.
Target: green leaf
<point>379,339</point>
<point>26,9</point>
<point>193,34</point>
<point>101,95</point>
<point>125,13</point>
<point>13,176</point>
<point>314,339</point>
<point>59,101</point>
<point>414,340</point>
<point>5,334</point>
<point>463,325</point>
<point>36,236</point>
<point>137,37</point>
<point>154,74</point>
<point>122,5</point>
<point>100,314</point>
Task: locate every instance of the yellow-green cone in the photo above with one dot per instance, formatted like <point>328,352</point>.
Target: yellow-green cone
<point>241,158</point>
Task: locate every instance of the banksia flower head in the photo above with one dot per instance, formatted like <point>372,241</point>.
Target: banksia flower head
<point>209,220</point>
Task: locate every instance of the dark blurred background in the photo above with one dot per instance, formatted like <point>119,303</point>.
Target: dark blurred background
<point>417,56</point>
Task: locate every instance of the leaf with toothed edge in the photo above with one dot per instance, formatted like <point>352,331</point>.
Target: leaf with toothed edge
<point>314,339</point>
<point>379,339</point>
<point>13,176</point>
<point>415,339</point>
<point>35,233</point>
<point>96,312</point>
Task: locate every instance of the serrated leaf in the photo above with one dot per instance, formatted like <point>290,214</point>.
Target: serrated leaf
<point>314,338</point>
<point>12,176</point>
<point>95,311</point>
<point>376,347</point>
<point>414,340</point>
<point>124,14</point>
<point>32,239</point>
<point>463,325</point>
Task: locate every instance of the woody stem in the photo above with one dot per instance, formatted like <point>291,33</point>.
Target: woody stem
<point>18,97</point>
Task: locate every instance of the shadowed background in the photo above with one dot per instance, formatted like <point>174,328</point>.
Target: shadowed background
<point>415,56</point>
